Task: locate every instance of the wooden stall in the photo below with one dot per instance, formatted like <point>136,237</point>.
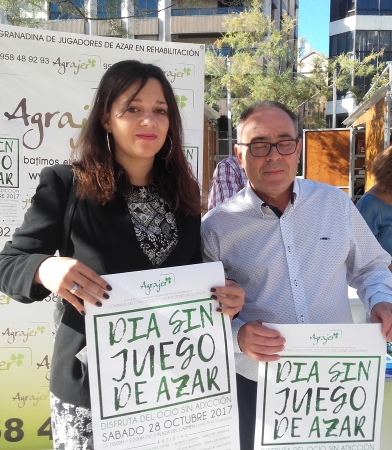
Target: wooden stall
<point>210,143</point>
<point>370,125</point>
<point>326,156</point>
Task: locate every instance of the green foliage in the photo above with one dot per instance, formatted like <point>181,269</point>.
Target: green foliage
<point>261,64</point>
<point>348,69</point>
<point>261,68</point>
<point>23,13</point>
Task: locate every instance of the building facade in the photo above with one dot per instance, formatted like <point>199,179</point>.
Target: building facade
<point>196,22</point>
<point>358,27</point>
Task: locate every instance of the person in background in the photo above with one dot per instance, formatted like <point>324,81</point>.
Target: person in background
<point>376,204</point>
<point>228,178</point>
<point>138,208</point>
<point>294,245</point>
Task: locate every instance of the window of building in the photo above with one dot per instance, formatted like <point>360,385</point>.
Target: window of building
<point>386,7</point>
<point>368,41</point>
<point>385,40</point>
<point>55,10</point>
<point>107,9</point>
<point>147,8</point>
<point>365,43</point>
<point>206,11</point>
<point>341,9</point>
<point>104,10</point>
<point>374,7</point>
<point>341,43</point>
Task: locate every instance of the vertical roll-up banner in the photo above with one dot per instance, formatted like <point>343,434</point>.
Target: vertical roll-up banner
<point>47,83</point>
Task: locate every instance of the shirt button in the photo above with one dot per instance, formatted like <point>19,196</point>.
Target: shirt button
<point>302,319</point>
<point>295,282</point>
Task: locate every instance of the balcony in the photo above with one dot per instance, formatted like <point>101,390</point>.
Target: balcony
<point>183,21</point>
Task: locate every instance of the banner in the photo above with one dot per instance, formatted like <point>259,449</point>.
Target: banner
<point>47,82</point>
<point>26,345</point>
<point>326,392</point>
<point>161,362</point>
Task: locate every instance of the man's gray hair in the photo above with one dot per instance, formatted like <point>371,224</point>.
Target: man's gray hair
<point>264,104</point>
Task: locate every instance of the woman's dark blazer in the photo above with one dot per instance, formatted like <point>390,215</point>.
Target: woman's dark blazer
<point>103,238</point>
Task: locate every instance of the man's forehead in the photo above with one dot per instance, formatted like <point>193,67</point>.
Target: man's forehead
<point>269,121</point>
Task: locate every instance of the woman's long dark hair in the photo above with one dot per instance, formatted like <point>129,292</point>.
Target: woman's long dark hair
<point>100,176</point>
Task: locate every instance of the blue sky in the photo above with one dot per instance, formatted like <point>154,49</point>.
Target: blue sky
<point>313,23</point>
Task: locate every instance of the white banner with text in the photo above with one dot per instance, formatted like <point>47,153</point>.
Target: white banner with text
<point>47,82</point>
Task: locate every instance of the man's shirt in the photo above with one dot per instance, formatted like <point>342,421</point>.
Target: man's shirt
<point>229,178</point>
<point>295,269</point>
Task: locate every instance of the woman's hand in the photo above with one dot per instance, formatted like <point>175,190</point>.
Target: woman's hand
<point>232,297</point>
<point>71,280</point>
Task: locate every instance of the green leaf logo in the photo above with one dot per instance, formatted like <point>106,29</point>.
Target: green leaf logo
<point>92,62</point>
<point>187,71</point>
<point>181,101</point>
<point>41,329</point>
<point>168,280</point>
<point>18,359</point>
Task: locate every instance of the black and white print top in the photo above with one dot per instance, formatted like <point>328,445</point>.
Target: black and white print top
<point>154,222</point>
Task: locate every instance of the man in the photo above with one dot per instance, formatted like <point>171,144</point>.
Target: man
<point>293,245</point>
<point>229,178</point>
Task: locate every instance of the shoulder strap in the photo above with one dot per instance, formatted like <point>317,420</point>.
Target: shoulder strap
<point>69,211</point>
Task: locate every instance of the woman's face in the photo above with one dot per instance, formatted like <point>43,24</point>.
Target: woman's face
<point>139,128</point>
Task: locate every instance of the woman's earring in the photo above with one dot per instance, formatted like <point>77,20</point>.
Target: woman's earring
<point>107,140</point>
<point>170,150</point>
<point>171,146</point>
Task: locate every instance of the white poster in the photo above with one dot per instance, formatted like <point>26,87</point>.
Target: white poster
<point>47,83</point>
<point>161,362</point>
<point>326,391</point>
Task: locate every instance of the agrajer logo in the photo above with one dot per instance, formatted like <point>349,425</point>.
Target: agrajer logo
<point>326,338</point>
<point>64,65</point>
<point>156,285</point>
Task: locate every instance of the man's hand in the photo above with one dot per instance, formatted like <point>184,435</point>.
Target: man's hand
<point>382,313</point>
<point>260,342</point>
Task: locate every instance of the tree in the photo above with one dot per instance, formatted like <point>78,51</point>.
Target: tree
<point>262,66</point>
<point>349,69</point>
<point>263,62</point>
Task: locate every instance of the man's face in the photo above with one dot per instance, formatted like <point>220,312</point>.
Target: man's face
<point>271,177</point>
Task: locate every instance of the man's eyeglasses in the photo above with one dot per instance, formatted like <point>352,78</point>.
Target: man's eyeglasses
<point>258,148</point>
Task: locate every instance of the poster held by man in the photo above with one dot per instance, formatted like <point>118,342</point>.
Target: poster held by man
<point>326,390</point>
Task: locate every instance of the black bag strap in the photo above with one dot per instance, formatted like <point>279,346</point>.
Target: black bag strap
<point>68,214</point>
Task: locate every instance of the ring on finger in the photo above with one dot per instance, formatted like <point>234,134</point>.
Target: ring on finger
<point>74,288</point>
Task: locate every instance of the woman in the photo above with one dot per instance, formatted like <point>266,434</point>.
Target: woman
<point>376,204</point>
<point>138,208</point>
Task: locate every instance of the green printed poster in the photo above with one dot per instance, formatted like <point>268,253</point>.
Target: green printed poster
<point>325,392</point>
<point>161,362</point>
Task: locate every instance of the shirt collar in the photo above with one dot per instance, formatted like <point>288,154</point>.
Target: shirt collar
<point>295,193</point>
<point>252,198</point>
